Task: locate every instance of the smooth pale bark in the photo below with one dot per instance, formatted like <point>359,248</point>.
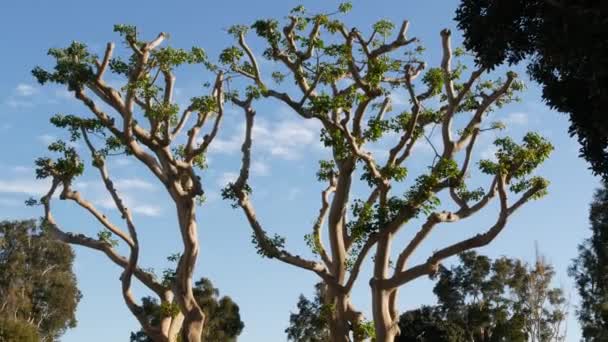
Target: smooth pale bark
<point>338,324</point>
<point>345,134</point>
<point>175,171</point>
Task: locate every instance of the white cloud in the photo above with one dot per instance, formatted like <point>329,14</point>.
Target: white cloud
<point>489,152</point>
<point>18,103</point>
<point>424,146</point>
<point>399,98</point>
<point>122,162</point>
<point>286,139</point>
<point>80,185</point>
<point>516,118</point>
<point>135,206</point>
<point>25,90</point>
<point>260,168</point>
<point>293,194</point>
<point>10,202</point>
<point>130,190</point>
<point>133,184</point>
<point>228,146</point>
<point>26,95</point>
<point>226,178</point>
<point>46,138</point>
<point>63,94</point>
<point>22,169</point>
<point>146,210</point>
<point>24,186</point>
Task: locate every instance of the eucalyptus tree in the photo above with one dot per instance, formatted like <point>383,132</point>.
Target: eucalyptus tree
<point>590,272</point>
<point>490,300</point>
<point>224,320</point>
<point>309,323</point>
<point>343,79</point>
<point>38,289</point>
<point>142,121</point>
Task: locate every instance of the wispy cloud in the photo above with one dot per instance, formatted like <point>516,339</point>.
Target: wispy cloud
<point>131,190</point>
<point>24,186</point>
<point>15,103</point>
<point>21,169</point>
<point>259,168</point>
<point>121,162</point>
<point>489,152</point>
<point>286,139</point>
<point>10,202</point>
<point>133,205</point>
<point>46,138</point>
<point>21,96</point>
<point>146,210</point>
<point>226,178</point>
<point>25,90</point>
<point>516,118</point>
<point>134,184</point>
<point>27,95</point>
<point>63,94</point>
<point>226,146</point>
<point>293,194</point>
<point>398,98</point>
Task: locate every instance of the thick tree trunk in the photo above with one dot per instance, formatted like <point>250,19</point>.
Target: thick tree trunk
<point>194,318</point>
<point>385,325</point>
<point>192,329</point>
<point>338,321</point>
<point>339,325</point>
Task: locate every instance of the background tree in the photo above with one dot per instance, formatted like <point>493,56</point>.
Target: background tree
<point>565,43</point>
<point>483,300</point>
<point>310,323</point>
<point>343,78</point>
<point>590,271</point>
<point>38,292</point>
<point>144,123</point>
<point>224,323</point>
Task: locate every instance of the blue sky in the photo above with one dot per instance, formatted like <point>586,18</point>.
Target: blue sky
<point>286,154</point>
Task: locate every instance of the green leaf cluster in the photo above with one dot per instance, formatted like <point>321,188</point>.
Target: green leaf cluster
<point>74,67</point>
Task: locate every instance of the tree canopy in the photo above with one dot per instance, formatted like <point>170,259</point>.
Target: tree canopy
<point>486,300</point>
<point>345,79</point>
<point>478,300</point>
<point>141,121</point>
<point>224,321</point>
<point>565,44</point>
<point>38,289</point>
<point>590,271</point>
<point>310,322</point>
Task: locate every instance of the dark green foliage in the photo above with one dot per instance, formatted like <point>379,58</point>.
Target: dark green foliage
<point>64,168</point>
<point>223,321</point>
<point>428,324</point>
<point>74,67</point>
<point>567,43</point>
<point>37,285</point>
<point>590,271</point>
<point>484,301</point>
<point>311,322</point>
<point>308,324</point>
<point>347,79</point>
